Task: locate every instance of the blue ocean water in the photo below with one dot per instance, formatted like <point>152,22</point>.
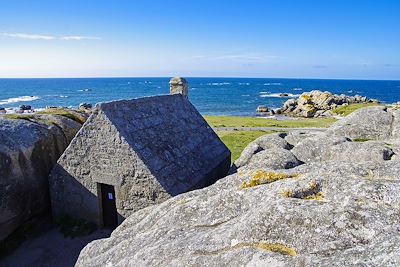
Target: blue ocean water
<point>211,96</point>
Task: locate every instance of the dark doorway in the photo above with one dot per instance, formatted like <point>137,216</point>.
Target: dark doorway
<point>110,218</point>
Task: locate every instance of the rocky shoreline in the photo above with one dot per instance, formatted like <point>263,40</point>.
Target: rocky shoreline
<point>318,104</point>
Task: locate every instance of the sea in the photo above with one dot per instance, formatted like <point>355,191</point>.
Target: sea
<point>211,96</point>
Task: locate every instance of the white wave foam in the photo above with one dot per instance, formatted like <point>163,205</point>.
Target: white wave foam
<point>265,92</point>
<point>63,96</point>
<point>280,95</point>
<point>245,95</point>
<point>297,89</point>
<point>85,90</point>
<point>18,99</point>
<point>244,83</point>
<point>272,83</point>
<point>218,84</point>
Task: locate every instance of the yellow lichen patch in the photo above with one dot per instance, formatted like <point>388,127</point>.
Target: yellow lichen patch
<point>370,174</point>
<point>318,196</point>
<point>263,177</point>
<point>359,201</point>
<point>264,246</point>
<point>182,201</point>
<point>306,98</point>
<point>276,247</point>
<point>311,192</point>
<point>287,193</point>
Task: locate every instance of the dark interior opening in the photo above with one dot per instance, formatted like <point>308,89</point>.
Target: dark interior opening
<point>109,209</point>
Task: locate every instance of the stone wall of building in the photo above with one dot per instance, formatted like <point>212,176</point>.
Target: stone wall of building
<point>149,149</point>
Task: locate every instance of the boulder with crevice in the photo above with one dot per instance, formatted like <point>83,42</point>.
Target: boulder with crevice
<point>29,147</point>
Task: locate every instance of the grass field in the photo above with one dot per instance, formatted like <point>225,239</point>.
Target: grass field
<point>236,141</point>
<point>232,121</point>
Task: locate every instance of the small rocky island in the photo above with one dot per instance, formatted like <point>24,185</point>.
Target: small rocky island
<point>318,104</point>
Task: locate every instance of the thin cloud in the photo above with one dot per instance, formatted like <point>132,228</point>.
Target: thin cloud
<point>320,66</point>
<point>29,36</point>
<point>237,57</point>
<point>79,38</point>
<point>390,65</point>
<point>49,37</point>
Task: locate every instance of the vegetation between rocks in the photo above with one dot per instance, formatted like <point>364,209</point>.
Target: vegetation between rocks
<point>233,121</point>
<point>276,247</point>
<point>236,141</point>
<point>263,177</point>
<point>65,113</point>
<point>346,110</point>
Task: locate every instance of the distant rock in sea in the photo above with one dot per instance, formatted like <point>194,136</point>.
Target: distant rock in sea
<point>318,104</point>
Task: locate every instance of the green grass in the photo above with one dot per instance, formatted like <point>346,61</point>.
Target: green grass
<point>57,111</point>
<point>63,112</point>
<point>236,141</point>
<point>360,140</point>
<point>233,121</point>
<point>26,117</point>
<point>346,110</point>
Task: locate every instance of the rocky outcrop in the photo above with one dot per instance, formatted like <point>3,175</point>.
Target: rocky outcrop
<point>318,104</point>
<point>29,147</point>
<point>369,123</point>
<point>338,207</point>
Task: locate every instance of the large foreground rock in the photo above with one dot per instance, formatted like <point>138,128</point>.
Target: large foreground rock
<point>28,150</point>
<point>331,210</point>
<point>375,123</point>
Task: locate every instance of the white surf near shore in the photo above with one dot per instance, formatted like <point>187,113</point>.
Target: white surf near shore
<point>18,99</point>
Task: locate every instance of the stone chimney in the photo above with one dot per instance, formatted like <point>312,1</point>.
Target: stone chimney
<point>178,85</point>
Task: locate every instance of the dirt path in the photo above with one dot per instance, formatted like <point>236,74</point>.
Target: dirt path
<point>50,249</point>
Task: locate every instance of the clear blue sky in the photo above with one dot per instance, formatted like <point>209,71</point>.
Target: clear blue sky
<point>357,39</point>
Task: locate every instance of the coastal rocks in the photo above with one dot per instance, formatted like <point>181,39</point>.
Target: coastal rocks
<point>29,147</point>
<point>337,209</point>
<point>2,110</point>
<point>260,144</point>
<point>85,106</point>
<point>316,148</point>
<point>318,104</point>
<point>275,158</point>
<point>368,123</point>
<point>25,107</point>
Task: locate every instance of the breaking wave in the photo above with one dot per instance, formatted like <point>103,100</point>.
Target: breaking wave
<point>18,99</point>
<point>280,95</point>
<point>218,84</point>
<point>272,83</point>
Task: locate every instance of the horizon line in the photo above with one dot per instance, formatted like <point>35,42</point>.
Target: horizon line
<point>190,77</point>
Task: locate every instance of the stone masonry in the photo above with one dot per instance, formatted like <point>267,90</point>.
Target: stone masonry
<point>149,149</point>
